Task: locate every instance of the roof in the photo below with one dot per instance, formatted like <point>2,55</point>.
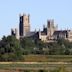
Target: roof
<point>61,32</point>
<point>44,32</point>
<point>30,34</point>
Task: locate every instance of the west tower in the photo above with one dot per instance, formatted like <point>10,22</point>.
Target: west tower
<point>24,25</point>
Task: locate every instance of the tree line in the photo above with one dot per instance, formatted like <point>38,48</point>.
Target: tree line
<point>12,49</point>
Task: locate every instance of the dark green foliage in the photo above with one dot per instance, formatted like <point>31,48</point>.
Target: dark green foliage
<point>27,42</point>
<point>61,47</point>
<point>10,49</point>
<point>27,45</point>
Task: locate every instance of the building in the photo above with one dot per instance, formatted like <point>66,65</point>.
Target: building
<point>24,25</point>
<point>64,34</point>
<point>14,32</point>
<point>49,33</point>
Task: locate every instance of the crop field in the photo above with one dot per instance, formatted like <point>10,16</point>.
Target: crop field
<point>35,65</point>
<point>48,58</point>
<point>39,62</point>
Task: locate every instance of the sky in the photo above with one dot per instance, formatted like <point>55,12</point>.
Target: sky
<point>40,11</point>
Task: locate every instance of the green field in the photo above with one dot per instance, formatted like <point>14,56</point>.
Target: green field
<point>48,58</point>
<point>35,66</point>
<point>40,62</point>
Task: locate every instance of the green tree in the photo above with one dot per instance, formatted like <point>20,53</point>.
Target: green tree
<point>10,49</point>
<point>27,44</point>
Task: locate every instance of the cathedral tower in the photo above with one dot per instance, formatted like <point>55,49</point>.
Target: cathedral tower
<point>50,29</point>
<point>24,25</point>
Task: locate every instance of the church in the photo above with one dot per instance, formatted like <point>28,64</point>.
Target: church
<point>50,33</point>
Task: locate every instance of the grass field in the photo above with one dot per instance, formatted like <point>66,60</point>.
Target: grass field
<point>40,62</point>
<point>35,66</point>
<point>48,58</point>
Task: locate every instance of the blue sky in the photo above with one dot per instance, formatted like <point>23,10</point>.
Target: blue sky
<point>39,10</point>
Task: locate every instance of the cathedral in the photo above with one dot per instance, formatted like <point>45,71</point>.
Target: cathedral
<point>50,33</point>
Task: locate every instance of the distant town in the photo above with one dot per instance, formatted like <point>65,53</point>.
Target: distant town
<point>49,33</point>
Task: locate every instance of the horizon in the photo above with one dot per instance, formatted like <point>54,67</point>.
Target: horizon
<point>40,11</point>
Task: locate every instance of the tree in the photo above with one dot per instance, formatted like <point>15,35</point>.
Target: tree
<point>10,49</point>
<point>27,44</point>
